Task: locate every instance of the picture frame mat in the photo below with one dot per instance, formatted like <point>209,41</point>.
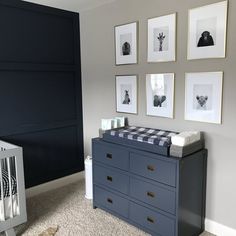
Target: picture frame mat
<point>162,21</point>
<point>125,79</point>
<point>161,112</point>
<point>195,52</point>
<point>203,78</point>
<point>125,29</point>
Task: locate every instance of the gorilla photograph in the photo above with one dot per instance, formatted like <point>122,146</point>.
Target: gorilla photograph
<point>205,40</point>
<point>206,32</point>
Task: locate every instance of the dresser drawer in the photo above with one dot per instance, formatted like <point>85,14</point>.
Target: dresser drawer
<point>158,170</point>
<point>153,195</point>
<point>111,155</point>
<point>158,223</point>
<point>111,178</point>
<point>112,202</point>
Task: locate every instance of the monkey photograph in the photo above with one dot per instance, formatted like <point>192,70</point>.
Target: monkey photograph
<point>206,40</point>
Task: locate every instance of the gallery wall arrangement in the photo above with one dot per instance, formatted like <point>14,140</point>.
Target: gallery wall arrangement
<point>207,31</point>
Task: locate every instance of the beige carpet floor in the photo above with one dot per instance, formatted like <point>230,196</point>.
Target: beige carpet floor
<point>67,208</point>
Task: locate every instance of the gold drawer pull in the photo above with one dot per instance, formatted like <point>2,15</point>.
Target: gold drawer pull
<point>109,156</point>
<point>150,194</point>
<point>149,219</point>
<point>151,168</point>
<point>109,200</point>
<point>109,178</point>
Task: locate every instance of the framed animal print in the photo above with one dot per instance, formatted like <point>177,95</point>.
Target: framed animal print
<point>126,44</point>
<point>126,94</point>
<point>203,97</point>
<point>160,94</point>
<point>207,31</point>
<point>162,38</point>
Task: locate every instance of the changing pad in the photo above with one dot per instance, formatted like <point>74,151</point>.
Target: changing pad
<point>154,140</point>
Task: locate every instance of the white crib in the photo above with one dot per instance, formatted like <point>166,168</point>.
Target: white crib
<point>12,188</point>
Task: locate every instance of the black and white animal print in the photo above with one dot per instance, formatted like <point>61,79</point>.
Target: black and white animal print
<point>126,99</point>
<point>158,100</point>
<point>202,102</point>
<point>126,49</point>
<point>205,40</point>
<point>161,38</point>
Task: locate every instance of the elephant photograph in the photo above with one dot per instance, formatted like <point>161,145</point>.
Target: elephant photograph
<point>160,94</point>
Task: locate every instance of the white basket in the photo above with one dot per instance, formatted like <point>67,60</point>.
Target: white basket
<point>88,177</point>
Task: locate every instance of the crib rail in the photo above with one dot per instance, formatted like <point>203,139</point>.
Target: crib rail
<point>12,176</point>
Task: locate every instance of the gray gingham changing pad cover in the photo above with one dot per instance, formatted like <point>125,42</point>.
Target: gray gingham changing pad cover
<point>145,135</point>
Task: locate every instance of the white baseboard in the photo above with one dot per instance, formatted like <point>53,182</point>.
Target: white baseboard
<point>218,229</point>
<point>54,184</point>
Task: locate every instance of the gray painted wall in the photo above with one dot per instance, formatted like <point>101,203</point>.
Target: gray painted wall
<point>99,87</point>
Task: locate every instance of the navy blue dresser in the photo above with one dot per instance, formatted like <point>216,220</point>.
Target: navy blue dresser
<point>162,195</point>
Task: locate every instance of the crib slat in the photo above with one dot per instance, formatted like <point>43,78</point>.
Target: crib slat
<point>17,187</point>
<point>20,183</point>
<point>10,187</point>
<point>3,217</point>
<point>14,170</point>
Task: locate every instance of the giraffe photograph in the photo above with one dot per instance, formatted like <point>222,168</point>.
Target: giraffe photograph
<point>162,38</point>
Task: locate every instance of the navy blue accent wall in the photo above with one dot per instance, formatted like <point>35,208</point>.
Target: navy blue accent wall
<point>40,88</point>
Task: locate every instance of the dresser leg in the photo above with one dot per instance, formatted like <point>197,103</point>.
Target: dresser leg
<point>94,207</point>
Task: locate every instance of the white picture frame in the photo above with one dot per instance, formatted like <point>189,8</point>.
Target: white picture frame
<point>203,96</point>
<point>126,44</point>
<point>126,94</point>
<point>207,29</point>
<point>162,38</point>
<point>160,94</point>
